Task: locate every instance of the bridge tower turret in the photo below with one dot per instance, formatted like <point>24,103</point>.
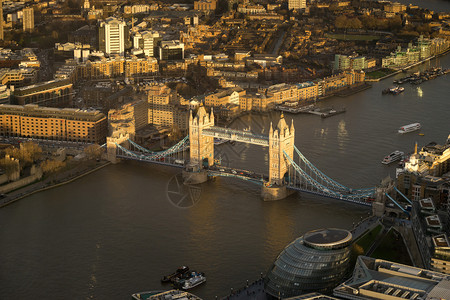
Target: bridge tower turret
<point>280,139</point>
<point>201,147</point>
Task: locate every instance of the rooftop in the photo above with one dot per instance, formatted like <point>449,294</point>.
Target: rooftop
<point>327,237</point>
<point>426,203</point>
<point>34,110</point>
<point>433,221</point>
<point>383,279</point>
<point>441,240</point>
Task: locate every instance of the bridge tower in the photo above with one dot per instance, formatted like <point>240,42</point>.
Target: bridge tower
<point>201,147</point>
<point>111,142</point>
<point>280,139</point>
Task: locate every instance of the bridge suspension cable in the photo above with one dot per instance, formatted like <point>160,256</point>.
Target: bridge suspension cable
<point>313,185</point>
<point>333,184</point>
<point>175,155</point>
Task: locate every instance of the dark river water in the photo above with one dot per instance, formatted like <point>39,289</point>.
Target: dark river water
<point>115,232</point>
<point>433,5</point>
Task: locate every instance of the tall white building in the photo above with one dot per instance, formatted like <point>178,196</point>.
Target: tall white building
<point>113,36</point>
<point>147,41</point>
<point>28,19</point>
<point>296,4</point>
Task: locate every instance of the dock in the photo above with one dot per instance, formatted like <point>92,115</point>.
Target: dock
<point>294,109</point>
<point>326,112</point>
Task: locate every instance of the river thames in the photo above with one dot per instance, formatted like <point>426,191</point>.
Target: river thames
<point>115,232</point>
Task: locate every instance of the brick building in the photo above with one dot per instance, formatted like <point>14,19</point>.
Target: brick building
<point>67,124</point>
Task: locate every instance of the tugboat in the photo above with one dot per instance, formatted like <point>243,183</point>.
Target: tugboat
<point>193,281</point>
<point>176,275</point>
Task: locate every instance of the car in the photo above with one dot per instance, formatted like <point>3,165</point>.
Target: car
<point>222,170</point>
<point>233,171</point>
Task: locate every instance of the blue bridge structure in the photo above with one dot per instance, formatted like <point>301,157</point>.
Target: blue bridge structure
<point>289,169</point>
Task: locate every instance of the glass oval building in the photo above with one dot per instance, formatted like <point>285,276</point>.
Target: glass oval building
<point>315,262</point>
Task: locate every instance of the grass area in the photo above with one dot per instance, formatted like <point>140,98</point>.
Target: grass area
<point>393,248</point>
<point>367,239</point>
<point>352,37</point>
<point>379,73</point>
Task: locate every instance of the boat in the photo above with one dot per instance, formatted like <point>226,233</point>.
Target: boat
<point>397,90</point>
<point>394,156</point>
<point>171,294</point>
<point>409,128</point>
<point>333,112</point>
<point>177,274</point>
<point>195,280</point>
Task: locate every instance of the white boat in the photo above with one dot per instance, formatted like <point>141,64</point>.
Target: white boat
<point>158,295</point>
<point>409,128</point>
<point>196,279</point>
<point>394,156</point>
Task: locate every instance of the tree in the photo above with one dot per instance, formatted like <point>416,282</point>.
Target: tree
<point>354,23</point>
<point>93,151</point>
<point>10,166</point>
<point>27,154</point>
<point>369,22</point>
<point>50,166</point>
<point>341,22</point>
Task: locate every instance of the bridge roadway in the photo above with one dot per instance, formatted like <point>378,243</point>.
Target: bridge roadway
<point>217,170</point>
<point>237,173</point>
<point>236,135</point>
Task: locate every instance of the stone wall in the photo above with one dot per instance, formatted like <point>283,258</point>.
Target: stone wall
<point>36,175</point>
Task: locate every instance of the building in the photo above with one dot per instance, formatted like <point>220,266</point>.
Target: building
<point>135,66</point>
<point>113,36</point>
<point>296,4</point>
<point>307,91</point>
<point>251,9</point>
<point>315,262</point>
<point>129,118</point>
<point>282,92</point>
<point>426,173</point>
<point>67,124</point>
<point>440,261</point>
<point>380,279</point>
<point>48,93</point>
<point>28,19</point>
<point>205,5</point>
<point>255,102</point>
<point>18,77</point>
<point>148,42</point>
<point>430,235</point>
<point>1,20</point>
<point>167,108</point>
<point>171,50</point>
<point>225,97</point>
<point>345,62</point>
<point>395,7</point>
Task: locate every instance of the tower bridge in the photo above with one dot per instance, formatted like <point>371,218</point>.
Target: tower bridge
<point>289,169</point>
